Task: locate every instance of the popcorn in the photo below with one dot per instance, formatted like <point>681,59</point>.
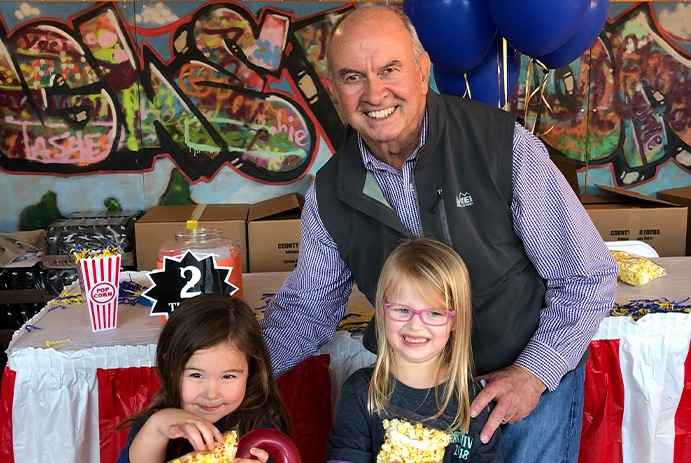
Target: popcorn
<point>99,279</point>
<point>636,270</point>
<point>224,452</point>
<point>98,271</point>
<point>78,253</point>
<point>412,443</point>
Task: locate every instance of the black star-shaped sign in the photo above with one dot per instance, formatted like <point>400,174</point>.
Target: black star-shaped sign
<point>184,277</point>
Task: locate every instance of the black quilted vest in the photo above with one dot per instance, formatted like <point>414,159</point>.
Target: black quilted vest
<point>464,189</point>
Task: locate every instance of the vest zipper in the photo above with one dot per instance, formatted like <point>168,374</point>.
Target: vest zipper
<point>436,203</point>
<point>439,204</point>
<point>445,224</point>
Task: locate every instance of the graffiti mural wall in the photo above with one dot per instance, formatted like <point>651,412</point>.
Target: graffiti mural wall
<point>141,103</point>
<point>624,108</point>
<point>131,104</point>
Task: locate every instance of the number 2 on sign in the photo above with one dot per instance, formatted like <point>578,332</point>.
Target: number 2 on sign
<point>194,276</point>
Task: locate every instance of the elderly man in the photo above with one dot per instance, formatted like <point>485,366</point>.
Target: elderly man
<point>414,163</point>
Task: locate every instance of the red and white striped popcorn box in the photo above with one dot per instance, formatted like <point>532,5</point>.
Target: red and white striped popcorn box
<point>99,279</point>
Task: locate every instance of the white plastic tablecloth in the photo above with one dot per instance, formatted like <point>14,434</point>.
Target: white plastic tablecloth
<point>55,399</point>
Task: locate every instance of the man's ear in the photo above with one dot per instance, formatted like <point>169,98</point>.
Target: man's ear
<point>425,67</point>
<point>330,84</point>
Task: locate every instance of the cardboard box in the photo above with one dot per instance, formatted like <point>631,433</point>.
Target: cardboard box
<point>680,196</point>
<point>273,234</point>
<point>261,288</point>
<point>624,215</point>
<point>161,223</point>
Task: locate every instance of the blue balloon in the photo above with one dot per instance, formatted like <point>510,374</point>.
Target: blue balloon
<point>587,33</point>
<point>456,33</point>
<point>486,80</point>
<point>537,27</point>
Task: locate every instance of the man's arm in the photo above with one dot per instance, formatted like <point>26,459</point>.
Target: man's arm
<point>580,275</point>
<point>306,310</point>
<point>569,254</point>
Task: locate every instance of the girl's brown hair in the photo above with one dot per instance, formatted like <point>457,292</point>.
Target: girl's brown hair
<point>438,272</point>
<point>205,321</point>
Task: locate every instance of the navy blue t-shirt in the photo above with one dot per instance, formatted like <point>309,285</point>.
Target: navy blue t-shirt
<point>357,435</point>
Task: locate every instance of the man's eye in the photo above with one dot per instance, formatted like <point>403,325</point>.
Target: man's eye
<point>388,72</point>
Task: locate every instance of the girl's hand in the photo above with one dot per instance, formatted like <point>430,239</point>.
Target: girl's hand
<point>279,446</point>
<point>175,422</point>
<point>149,446</point>
<point>260,455</point>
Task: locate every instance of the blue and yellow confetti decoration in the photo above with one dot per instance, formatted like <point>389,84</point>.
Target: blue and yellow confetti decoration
<point>641,307</point>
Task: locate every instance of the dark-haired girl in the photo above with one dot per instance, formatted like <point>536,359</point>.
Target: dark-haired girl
<point>215,375</point>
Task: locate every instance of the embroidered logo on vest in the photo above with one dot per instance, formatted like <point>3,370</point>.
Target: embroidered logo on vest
<point>464,200</point>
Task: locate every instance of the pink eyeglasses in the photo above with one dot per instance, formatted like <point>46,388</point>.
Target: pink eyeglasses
<point>403,313</point>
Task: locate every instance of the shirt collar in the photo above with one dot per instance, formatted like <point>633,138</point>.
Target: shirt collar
<point>372,163</point>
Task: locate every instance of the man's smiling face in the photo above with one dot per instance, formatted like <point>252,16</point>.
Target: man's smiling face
<point>379,85</point>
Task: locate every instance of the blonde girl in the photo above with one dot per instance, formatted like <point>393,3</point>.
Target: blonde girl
<point>424,367</point>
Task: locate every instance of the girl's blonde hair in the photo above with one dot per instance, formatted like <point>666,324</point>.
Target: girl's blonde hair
<point>438,273</point>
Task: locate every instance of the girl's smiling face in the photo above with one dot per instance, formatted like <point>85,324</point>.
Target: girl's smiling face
<point>213,382</point>
<point>415,343</point>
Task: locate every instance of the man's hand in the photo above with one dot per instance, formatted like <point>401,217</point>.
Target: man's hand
<point>516,391</point>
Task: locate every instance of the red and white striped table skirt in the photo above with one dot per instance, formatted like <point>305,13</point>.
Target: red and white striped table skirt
<point>638,391</point>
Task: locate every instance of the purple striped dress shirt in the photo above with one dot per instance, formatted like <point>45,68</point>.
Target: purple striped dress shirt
<point>557,233</point>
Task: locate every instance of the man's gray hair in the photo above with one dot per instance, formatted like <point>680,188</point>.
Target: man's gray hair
<point>418,49</point>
